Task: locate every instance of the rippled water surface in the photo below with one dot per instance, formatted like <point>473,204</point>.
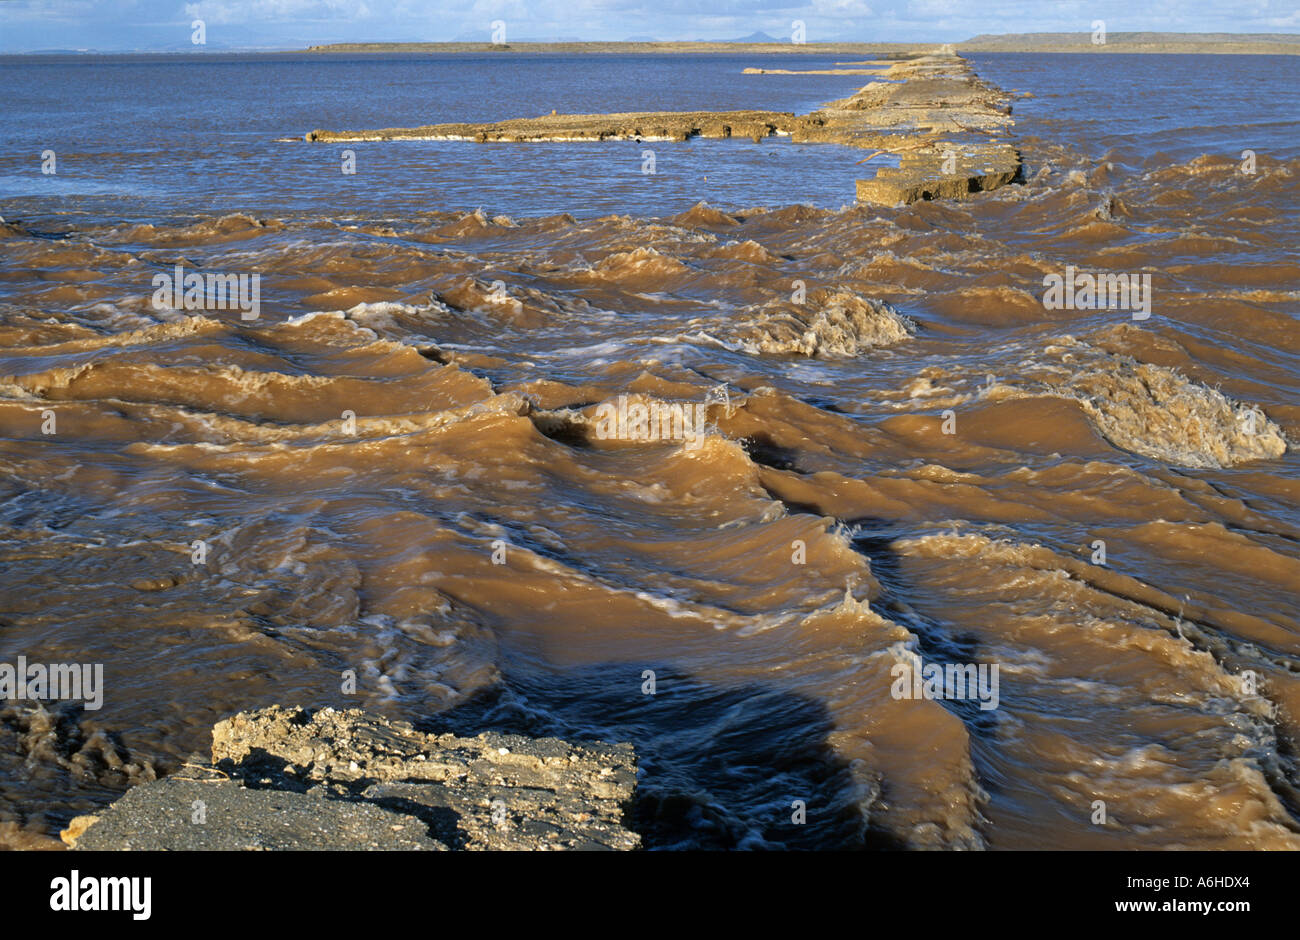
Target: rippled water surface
<point>400,467</point>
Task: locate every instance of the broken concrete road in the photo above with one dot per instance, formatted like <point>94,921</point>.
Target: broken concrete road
<point>288,778</point>
<point>947,127</point>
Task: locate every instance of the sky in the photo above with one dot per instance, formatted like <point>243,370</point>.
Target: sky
<point>142,25</point>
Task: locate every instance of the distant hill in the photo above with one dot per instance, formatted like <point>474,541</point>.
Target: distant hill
<point>1016,38</point>
<point>1275,43</point>
<point>758,36</point>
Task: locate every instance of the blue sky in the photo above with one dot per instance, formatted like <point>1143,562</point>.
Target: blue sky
<point>124,25</point>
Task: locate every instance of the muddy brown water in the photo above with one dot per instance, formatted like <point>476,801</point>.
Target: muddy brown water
<point>402,470</point>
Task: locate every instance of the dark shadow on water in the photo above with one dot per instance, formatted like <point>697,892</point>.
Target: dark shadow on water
<point>936,644</point>
<point>719,767</point>
<point>766,452</point>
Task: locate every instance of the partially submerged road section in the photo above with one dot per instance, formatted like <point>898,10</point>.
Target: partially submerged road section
<point>949,129</point>
<point>298,779</point>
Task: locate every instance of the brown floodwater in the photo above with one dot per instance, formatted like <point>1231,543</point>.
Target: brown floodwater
<point>405,470</point>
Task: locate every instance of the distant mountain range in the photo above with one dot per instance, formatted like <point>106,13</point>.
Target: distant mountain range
<point>758,36</point>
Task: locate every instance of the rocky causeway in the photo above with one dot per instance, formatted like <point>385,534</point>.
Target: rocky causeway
<point>949,129</point>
